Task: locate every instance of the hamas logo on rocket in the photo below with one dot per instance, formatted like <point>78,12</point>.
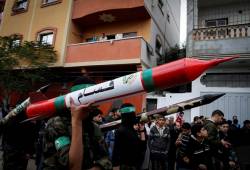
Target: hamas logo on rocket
<point>129,79</point>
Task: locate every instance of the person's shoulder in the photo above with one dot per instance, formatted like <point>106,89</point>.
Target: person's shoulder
<point>166,128</point>
<point>97,132</point>
<point>57,120</point>
<point>153,129</point>
<point>57,126</point>
<point>209,123</point>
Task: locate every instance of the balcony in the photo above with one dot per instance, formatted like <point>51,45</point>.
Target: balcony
<point>222,32</point>
<point>223,41</point>
<point>107,52</point>
<point>91,12</point>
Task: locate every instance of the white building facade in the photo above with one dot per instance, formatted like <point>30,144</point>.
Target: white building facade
<point>219,28</point>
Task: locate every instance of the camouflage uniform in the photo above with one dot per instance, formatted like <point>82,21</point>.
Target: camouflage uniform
<point>95,151</point>
<point>18,143</point>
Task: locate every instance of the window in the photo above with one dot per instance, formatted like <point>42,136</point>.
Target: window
<point>158,46</point>
<point>16,40</point>
<point>92,39</point>
<point>50,2</point>
<point>180,89</point>
<point>216,22</point>
<point>111,37</point>
<point>16,43</point>
<point>151,104</point>
<point>118,36</point>
<point>129,34</point>
<point>20,6</point>
<point>46,36</point>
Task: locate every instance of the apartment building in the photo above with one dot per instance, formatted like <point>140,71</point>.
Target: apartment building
<point>104,39</point>
<point>219,28</point>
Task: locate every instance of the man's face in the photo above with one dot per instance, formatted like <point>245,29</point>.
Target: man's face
<point>167,122</point>
<point>219,119</point>
<point>234,117</point>
<point>136,126</point>
<point>224,128</point>
<point>161,122</point>
<point>177,125</point>
<point>204,133</point>
<point>248,125</point>
<point>98,118</point>
<point>117,114</point>
<point>171,120</point>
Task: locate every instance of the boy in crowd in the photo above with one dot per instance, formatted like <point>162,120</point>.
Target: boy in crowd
<point>181,144</point>
<point>226,154</point>
<point>198,153</point>
<point>159,142</point>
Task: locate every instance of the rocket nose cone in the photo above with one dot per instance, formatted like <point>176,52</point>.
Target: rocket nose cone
<point>216,96</point>
<point>211,97</point>
<point>220,95</point>
<point>222,60</point>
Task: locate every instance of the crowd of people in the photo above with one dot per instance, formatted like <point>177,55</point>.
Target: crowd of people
<point>73,140</point>
<point>206,143</point>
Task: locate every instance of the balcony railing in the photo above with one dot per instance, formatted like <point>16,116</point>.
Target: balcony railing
<point>107,52</point>
<point>222,32</point>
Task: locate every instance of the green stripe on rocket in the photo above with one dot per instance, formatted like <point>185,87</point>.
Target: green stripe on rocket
<point>60,103</point>
<point>148,80</point>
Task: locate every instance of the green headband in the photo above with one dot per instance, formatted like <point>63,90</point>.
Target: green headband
<point>127,109</point>
<point>80,86</point>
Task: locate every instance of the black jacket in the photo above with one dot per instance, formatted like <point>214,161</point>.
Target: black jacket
<point>129,149</point>
<point>198,153</point>
<point>159,144</point>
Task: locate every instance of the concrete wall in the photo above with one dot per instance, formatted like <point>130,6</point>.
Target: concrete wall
<point>230,11</point>
<point>169,32</point>
<point>192,14</point>
<point>147,57</point>
<point>223,46</point>
<point>234,45</point>
<point>20,23</point>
